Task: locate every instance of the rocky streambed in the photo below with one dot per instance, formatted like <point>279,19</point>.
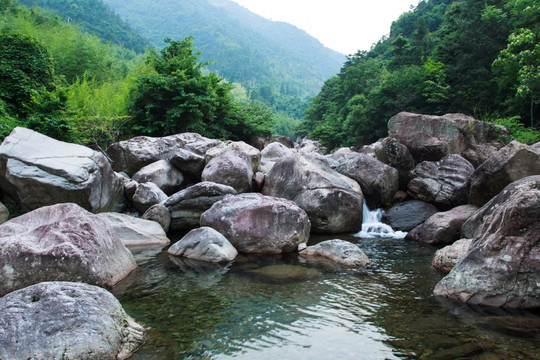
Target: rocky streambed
<point>251,278</point>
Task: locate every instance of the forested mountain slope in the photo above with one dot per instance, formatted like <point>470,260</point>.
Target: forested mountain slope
<point>473,56</point>
<point>276,62</point>
<point>95,17</point>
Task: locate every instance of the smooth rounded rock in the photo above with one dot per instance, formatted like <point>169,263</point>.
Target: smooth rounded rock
<point>232,168</point>
<point>147,195</point>
<point>446,258</point>
<point>66,320</point>
<point>341,251</point>
<point>163,174</point>
<point>204,244</point>
<point>407,215</point>
<point>255,223</point>
<point>160,214</point>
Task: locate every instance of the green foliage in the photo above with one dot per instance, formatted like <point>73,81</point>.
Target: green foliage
<point>96,18</point>
<point>174,95</point>
<point>517,130</point>
<point>467,56</point>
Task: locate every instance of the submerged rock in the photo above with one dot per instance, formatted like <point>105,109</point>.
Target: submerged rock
<point>61,242</point>
<point>255,223</point>
<point>332,201</point>
<point>501,268</point>
<point>204,244</point>
<point>37,170</point>
<point>285,273</point>
<point>65,320</point>
<point>340,251</point>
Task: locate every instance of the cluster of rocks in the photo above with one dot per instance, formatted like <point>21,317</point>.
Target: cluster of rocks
<point>442,179</point>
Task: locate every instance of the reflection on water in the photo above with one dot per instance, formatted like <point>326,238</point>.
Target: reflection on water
<point>281,307</point>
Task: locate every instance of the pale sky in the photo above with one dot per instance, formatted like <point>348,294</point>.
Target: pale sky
<point>342,25</point>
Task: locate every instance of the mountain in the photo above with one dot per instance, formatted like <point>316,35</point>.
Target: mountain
<point>96,18</point>
<point>276,62</point>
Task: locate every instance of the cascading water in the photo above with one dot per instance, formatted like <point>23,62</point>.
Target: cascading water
<point>373,227</point>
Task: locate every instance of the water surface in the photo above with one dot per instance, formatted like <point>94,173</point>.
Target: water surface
<point>283,307</point>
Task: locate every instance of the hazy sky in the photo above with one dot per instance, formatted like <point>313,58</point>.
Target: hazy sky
<point>343,25</point>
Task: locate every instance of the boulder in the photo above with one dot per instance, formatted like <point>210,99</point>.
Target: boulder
<point>239,146</point>
<point>501,268</point>
<point>444,183</point>
<point>332,201</point>
<point>408,215</point>
<point>342,252</point>
<point>255,223</point>
<point>511,163</point>
<point>232,168</point>
<point>379,182</point>
<point>161,173</point>
<point>147,195</point>
<point>135,232</point>
<point>446,258</point>
<point>4,214</point>
<point>37,170</point>
<point>399,157</point>
<point>263,141</point>
<point>204,244</point>
<point>61,242</point>
<point>131,155</point>
<point>129,189</point>
<point>187,162</point>
<point>306,145</point>
<point>432,137</point>
<point>187,206</point>
<point>160,214</point>
<point>66,320</point>
<point>272,153</point>
<point>442,227</point>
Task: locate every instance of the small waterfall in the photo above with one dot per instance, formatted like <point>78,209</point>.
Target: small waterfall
<point>372,227</point>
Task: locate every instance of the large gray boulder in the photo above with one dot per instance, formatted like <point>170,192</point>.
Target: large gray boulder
<point>187,206</point>
<point>255,223</point>
<point>188,162</point>
<point>442,227</point>
<point>37,170</point>
<point>135,232</point>
<point>240,146</point>
<point>340,251</point>
<point>332,201</point>
<point>61,242</point>
<point>432,137</point>
<point>407,215</point>
<point>160,214</point>
<point>66,320</point>
<point>501,267</point>
<point>399,157</point>
<point>232,168</point>
<point>4,214</point>
<point>444,183</point>
<point>148,195</point>
<point>272,153</point>
<point>163,174</point>
<point>379,182</point>
<point>204,244</point>
<point>509,164</point>
<point>446,258</point>
<point>132,155</point>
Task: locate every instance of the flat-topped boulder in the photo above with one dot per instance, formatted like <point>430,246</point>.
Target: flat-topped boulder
<point>66,320</point>
<point>430,137</point>
<point>501,267</point>
<point>332,201</point>
<point>255,223</point>
<point>187,206</point>
<point>61,242</point>
<point>509,164</point>
<point>135,232</point>
<point>131,155</point>
<point>444,183</point>
<point>340,251</point>
<point>204,244</point>
<point>37,170</point>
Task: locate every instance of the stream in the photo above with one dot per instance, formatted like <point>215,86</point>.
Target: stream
<point>284,307</point>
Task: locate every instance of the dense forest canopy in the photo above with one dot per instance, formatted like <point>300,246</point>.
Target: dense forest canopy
<point>477,57</point>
